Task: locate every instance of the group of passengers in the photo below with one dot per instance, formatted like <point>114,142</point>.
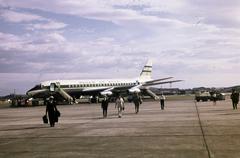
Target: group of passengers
<point>119,104</point>
<point>53,113</point>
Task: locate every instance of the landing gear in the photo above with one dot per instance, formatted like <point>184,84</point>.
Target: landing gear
<point>94,99</point>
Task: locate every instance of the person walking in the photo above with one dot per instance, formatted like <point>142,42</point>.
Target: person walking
<point>119,105</point>
<point>137,101</point>
<point>235,98</point>
<point>51,109</point>
<point>105,102</point>
<point>162,101</point>
<point>214,96</point>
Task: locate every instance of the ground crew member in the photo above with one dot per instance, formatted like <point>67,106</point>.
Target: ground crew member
<point>214,98</point>
<point>119,105</point>
<point>162,100</point>
<point>235,98</point>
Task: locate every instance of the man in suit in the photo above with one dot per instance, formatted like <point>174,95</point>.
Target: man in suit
<point>137,101</point>
<point>105,102</point>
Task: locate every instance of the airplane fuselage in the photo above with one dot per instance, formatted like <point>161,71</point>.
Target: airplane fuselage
<point>83,86</point>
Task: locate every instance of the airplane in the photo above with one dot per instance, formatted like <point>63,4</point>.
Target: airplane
<point>71,89</point>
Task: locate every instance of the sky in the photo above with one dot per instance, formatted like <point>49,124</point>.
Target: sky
<point>197,41</point>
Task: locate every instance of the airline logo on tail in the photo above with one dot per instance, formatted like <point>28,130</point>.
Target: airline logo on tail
<point>146,73</point>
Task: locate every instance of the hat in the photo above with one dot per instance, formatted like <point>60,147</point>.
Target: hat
<point>51,97</point>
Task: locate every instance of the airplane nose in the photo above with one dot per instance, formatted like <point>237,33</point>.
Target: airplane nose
<point>29,93</point>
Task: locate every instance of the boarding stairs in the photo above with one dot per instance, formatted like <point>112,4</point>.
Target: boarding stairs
<point>153,95</point>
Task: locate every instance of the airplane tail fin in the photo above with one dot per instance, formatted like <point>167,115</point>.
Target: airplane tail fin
<point>146,73</point>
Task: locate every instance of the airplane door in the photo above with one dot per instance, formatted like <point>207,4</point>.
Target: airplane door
<point>52,87</point>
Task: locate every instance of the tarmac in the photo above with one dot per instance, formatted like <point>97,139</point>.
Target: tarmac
<point>185,129</point>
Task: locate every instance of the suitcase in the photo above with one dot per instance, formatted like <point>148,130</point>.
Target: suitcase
<point>45,119</point>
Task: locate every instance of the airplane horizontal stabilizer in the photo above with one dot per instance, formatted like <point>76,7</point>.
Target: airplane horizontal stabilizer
<point>157,83</point>
<point>161,79</point>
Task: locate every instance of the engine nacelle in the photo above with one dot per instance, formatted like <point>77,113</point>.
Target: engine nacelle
<point>134,90</point>
<point>106,93</point>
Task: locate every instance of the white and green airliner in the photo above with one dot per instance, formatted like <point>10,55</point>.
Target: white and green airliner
<point>69,89</point>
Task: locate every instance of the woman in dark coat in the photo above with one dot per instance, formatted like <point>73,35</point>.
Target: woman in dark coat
<point>51,111</point>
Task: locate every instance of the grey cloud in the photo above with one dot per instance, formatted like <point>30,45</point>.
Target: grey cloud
<point>220,13</point>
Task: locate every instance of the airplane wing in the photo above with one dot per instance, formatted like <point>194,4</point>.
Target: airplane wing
<point>135,89</point>
<point>95,89</point>
<point>101,90</point>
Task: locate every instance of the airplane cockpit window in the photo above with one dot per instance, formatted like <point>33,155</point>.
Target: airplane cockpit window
<point>52,87</point>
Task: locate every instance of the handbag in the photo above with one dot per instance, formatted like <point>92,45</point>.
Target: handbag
<point>57,114</point>
<point>45,119</point>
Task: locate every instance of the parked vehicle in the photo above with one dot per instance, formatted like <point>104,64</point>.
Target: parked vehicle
<point>208,96</point>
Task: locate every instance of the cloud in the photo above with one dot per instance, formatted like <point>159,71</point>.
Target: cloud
<point>220,13</point>
<point>43,43</point>
<point>50,25</point>
<point>105,39</point>
<point>10,42</point>
<point>33,21</point>
<point>17,17</point>
<point>101,10</point>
